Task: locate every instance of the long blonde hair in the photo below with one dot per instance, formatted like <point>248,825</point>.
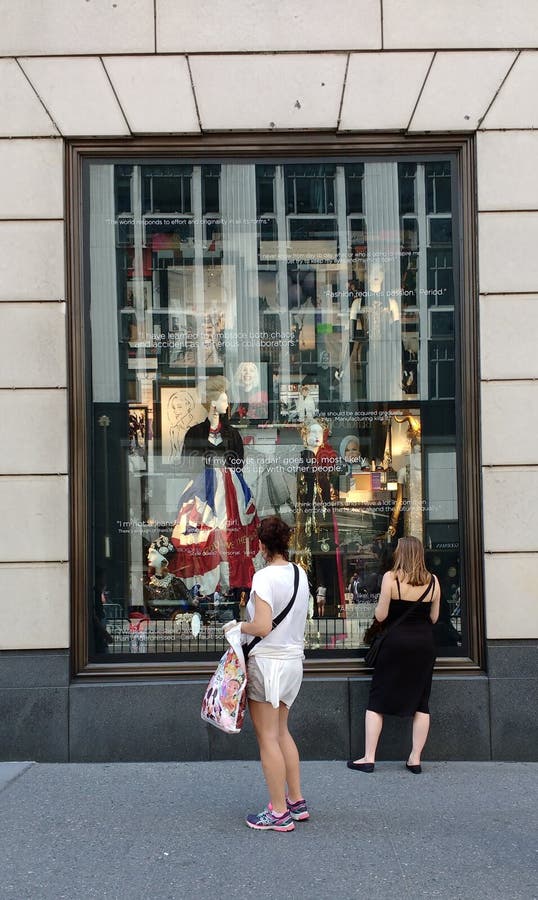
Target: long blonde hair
<point>409,559</point>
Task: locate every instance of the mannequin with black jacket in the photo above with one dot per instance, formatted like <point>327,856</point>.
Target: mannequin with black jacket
<point>215,529</point>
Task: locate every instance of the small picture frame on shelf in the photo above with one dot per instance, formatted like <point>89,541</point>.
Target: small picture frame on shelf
<point>137,290</point>
<point>299,402</point>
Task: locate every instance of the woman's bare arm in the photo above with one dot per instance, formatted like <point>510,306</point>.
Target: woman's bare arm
<point>436,602</point>
<point>262,623</point>
<point>382,609</point>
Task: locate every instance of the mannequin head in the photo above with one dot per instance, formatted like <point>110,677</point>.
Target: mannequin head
<point>156,561</point>
<point>314,436</point>
<point>376,277</point>
<point>158,554</point>
<point>216,397</point>
<point>351,449</point>
<point>413,430</point>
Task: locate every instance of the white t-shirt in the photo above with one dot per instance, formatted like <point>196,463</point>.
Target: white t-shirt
<point>274,584</point>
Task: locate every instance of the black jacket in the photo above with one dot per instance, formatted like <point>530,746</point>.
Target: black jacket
<point>196,445</point>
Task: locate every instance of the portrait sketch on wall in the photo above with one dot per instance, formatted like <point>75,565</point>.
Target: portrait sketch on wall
<point>180,409</point>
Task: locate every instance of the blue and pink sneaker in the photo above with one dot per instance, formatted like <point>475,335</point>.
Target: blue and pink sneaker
<point>267,821</point>
<point>298,810</point>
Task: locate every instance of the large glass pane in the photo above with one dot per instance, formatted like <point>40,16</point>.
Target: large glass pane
<point>268,338</point>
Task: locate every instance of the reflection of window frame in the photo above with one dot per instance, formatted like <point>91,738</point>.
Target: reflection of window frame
<point>429,449</point>
<point>435,312</point>
<point>351,231</point>
<point>326,147</point>
<point>325,178</point>
<point>433,178</point>
<point>438,217</point>
<point>436,362</point>
<point>180,177</point>
<point>350,178</point>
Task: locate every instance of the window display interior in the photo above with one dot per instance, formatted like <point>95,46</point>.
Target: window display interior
<point>269,338</point>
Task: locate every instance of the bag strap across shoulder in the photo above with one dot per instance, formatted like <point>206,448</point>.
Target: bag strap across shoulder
<point>411,603</point>
<point>281,616</point>
<point>431,587</point>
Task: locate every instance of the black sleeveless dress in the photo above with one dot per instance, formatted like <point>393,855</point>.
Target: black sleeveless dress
<point>402,678</point>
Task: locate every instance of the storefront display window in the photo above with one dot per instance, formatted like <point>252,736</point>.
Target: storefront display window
<point>268,337</point>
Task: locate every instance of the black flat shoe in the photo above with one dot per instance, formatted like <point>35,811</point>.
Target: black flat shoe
<point>416,770</point>
<point>360,767</point>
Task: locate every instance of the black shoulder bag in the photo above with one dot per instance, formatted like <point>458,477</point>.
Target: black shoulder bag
<point>281,616</point>
<point>372,654</point>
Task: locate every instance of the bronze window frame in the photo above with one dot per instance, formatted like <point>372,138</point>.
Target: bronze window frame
<point>266,145</point>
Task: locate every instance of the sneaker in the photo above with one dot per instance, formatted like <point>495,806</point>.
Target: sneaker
<point>298,810</point>
<point>267,821</point>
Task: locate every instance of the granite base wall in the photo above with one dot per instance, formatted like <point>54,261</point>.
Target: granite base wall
<point>48,718</point>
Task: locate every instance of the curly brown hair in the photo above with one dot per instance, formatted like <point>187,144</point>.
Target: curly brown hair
<point>275,534</point>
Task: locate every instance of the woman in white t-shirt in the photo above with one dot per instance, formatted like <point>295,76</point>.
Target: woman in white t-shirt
<point>275,673</point>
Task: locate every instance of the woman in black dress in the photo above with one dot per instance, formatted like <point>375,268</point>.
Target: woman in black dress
<point>403,672</point>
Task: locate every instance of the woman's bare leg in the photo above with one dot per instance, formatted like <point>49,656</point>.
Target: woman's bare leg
<point>373,724</point>
<point>421,727</point>
<point>266,725</point>
<point>291,756</point>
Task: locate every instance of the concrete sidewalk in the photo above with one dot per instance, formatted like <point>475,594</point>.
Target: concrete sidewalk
<point>167,831</point>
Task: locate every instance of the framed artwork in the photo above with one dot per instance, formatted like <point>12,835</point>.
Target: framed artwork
<point>179,409</point>
<point>303,328</point>
<point>352,452</point>
<point>137,288</point>
<point>268,297</point>
<point>138,438</point>
<point>137,299</point>
<point>249,393</point>
<point>299,402</point>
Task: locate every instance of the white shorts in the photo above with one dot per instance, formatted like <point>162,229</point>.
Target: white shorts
<point>274,681</point>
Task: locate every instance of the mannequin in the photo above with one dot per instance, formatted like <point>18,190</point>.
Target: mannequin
<point>164,593</point>
<point>215,530</point>
<point>316,533</point>
<point>395,528</point>
<point>214,441</point>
